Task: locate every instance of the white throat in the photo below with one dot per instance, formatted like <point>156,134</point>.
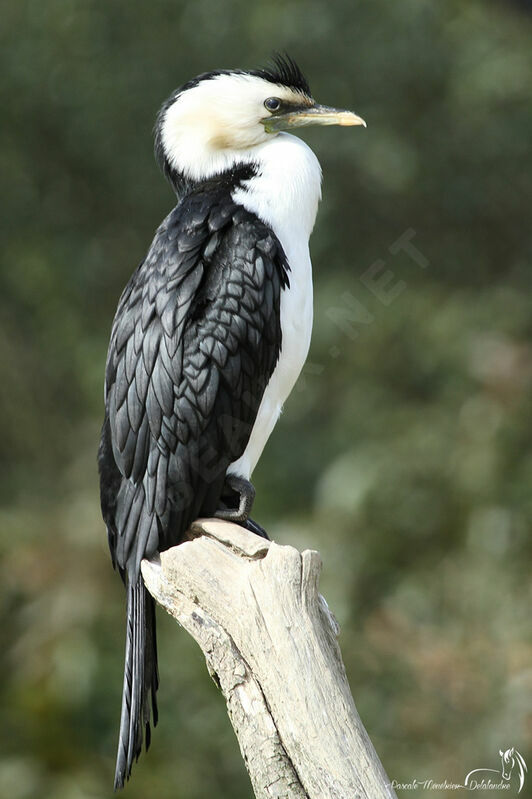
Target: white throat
<point>287,188</point>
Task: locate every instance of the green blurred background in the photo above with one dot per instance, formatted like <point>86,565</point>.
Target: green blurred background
<point>405,452</point>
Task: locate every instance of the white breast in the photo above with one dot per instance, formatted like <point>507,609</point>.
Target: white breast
<point>284,194</point>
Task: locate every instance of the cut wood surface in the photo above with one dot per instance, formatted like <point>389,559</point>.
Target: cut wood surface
<point>269,640</point>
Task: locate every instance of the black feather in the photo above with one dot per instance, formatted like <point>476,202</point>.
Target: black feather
<point>141,680</point>
<point>195,340</point>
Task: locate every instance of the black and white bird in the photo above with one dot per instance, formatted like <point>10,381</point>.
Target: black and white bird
<point>210,334</point>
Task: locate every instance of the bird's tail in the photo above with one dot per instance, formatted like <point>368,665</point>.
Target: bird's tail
<point>141,679</point>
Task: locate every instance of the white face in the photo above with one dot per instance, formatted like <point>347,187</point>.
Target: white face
<point>219,116</point>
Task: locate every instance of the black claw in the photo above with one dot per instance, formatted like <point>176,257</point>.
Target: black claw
<point>254,527</point>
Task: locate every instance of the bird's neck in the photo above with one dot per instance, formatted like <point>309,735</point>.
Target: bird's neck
<point>286,189</point>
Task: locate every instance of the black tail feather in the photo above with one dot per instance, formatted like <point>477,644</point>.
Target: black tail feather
<point>141,680</point>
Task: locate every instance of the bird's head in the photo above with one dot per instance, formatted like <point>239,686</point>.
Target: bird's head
<point>217,119</point>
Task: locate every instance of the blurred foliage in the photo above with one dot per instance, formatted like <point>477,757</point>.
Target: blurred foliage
<point>404,454</point>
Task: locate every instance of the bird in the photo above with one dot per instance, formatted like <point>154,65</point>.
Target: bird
<point>209,337</point>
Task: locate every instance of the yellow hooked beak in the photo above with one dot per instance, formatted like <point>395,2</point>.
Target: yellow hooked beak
<point>313,115</point>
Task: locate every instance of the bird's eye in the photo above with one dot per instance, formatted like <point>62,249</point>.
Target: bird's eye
<point>272,104</point>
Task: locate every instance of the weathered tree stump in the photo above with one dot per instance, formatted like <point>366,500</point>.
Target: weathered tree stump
<point>269,640</point>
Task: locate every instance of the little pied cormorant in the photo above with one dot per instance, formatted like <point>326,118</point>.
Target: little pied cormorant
<point>210,334</point>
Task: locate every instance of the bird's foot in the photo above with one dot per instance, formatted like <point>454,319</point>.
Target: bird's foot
<point>237,487</point>
<point>246,494</point>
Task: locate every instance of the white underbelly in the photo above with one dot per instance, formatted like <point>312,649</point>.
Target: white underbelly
<point>296,329</point>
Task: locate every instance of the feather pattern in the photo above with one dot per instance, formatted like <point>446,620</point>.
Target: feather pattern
<point>195,340</point>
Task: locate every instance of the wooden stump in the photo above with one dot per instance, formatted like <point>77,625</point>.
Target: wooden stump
<point>269,640</point>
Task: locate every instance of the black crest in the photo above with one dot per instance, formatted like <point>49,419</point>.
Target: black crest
<point>285,71</point>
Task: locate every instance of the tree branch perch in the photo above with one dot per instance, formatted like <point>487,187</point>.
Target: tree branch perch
<point>269,640</point>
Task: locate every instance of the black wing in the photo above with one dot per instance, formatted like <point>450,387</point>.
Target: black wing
<point>194,342</point>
